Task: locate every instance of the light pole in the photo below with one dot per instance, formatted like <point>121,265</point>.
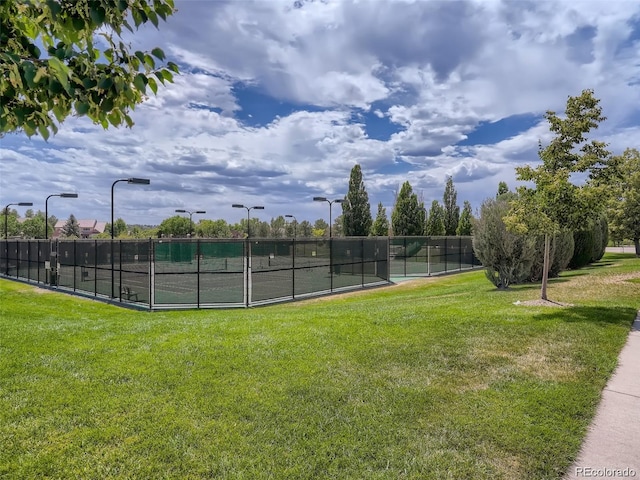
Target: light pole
<point>138,181</point>
<point>258,207</point>
<point>6,216</point>
<point>295,225</point>
<point>330,202</point>
<point>180,210</point>
<point>46,209</point>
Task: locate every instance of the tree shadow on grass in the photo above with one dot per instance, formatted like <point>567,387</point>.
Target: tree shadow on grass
<point>623,316</point>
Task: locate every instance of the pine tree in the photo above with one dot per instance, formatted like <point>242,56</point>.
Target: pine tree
<point>380,227</point>
<point>465,225</point>
<point>451,208</point>
<point>356,210</point>
<point>71,229</point>
<point>435,224</point>
<point>407,216</point>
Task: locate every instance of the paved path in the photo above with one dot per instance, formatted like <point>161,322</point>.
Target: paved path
<point>612,446</point>
<point>627,249</point>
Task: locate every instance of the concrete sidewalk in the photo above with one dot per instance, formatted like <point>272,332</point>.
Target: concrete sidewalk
<point>612,446</point>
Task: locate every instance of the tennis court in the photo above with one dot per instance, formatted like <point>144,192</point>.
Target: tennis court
<point>209,273</point>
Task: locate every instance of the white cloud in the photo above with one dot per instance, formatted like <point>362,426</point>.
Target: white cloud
<point>434,69</point>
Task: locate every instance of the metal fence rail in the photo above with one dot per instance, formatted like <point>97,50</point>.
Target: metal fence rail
<point>209,273</point>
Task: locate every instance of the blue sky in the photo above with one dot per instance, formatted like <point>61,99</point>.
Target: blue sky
<point>278,100</point>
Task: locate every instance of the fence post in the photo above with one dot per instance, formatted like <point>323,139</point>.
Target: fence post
<point>152,273</point>
<point>74,264</point>
<point>198,272</point>
<point>95,268</point>
<point>293,269</point>
<point>120,267</point>
<point>248,270</point>
<point>330,264</point>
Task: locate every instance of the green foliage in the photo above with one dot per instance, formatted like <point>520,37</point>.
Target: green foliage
<point>320,228</point>
<point>435,223</point>
<point>502,189</point>
<point>583,249</point>
<point>176,226</point>
<point>600,238</point>
<point>556,203</point>
<point>10,220</point>
<point>622,183</point>
<point>120,228</point>
<point>71,229</point>
<point>451,208</point>
<point>407,218</point>
<point>213,229</point>
<point>465,224</point>
<point>277,227</point>
<point>33,226</point>
<point>305,229</point>
<point>72,76</point>
<point>506,256</point>
<point>561,252</point>
<point>356,210</point>
<point>380,227</point>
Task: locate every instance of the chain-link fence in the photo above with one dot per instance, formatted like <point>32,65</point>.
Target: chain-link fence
<point>208,273</point>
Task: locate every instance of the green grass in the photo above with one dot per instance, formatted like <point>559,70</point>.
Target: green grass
<point>440,378</point>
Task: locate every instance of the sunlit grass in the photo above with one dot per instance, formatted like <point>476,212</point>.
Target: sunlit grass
<point>440,378</point>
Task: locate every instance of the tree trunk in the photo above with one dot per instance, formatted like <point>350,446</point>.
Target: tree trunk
<point>636,242</point>
<point>545,267</point>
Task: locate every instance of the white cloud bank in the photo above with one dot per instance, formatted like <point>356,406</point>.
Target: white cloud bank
<point>434,70</point>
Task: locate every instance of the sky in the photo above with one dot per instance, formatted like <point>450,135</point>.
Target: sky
<point>278,100</point>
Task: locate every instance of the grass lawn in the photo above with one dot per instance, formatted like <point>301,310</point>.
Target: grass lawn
<point>436,378</point>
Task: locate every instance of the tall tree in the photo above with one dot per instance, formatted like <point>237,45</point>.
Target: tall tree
<point>451,208</point>
<point>213,229</point>
<point>502,189</point>
<point>305,229</point>
<point>356,210</point>
<point>71,229</point>
<point>407,218</point>
<point>435,224</point>
<point>556,203</point>
<point>9,218</point>
<point>465,224</point>
<point>176,226</point>
<point>33,226</point>
<point>320,228</point>
<point>39,89</point>
<point>337,229</point>
<point>380,227</point>
<point>623,209</point>
<point>277,227</point>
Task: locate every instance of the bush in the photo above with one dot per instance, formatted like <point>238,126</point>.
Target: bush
<point>507,257</point>
<point>600,238</point>
<point>561,252</point>
<point>583,249</point>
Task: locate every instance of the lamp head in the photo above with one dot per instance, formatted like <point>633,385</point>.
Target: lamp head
<point>141,181</point>
<point>238,205</point>
<point>320,199</point>
<point>69,195</point>
<point>25,204</point>
<point>200,211</point>
<point>258,208</point>
<point>180,210</point>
